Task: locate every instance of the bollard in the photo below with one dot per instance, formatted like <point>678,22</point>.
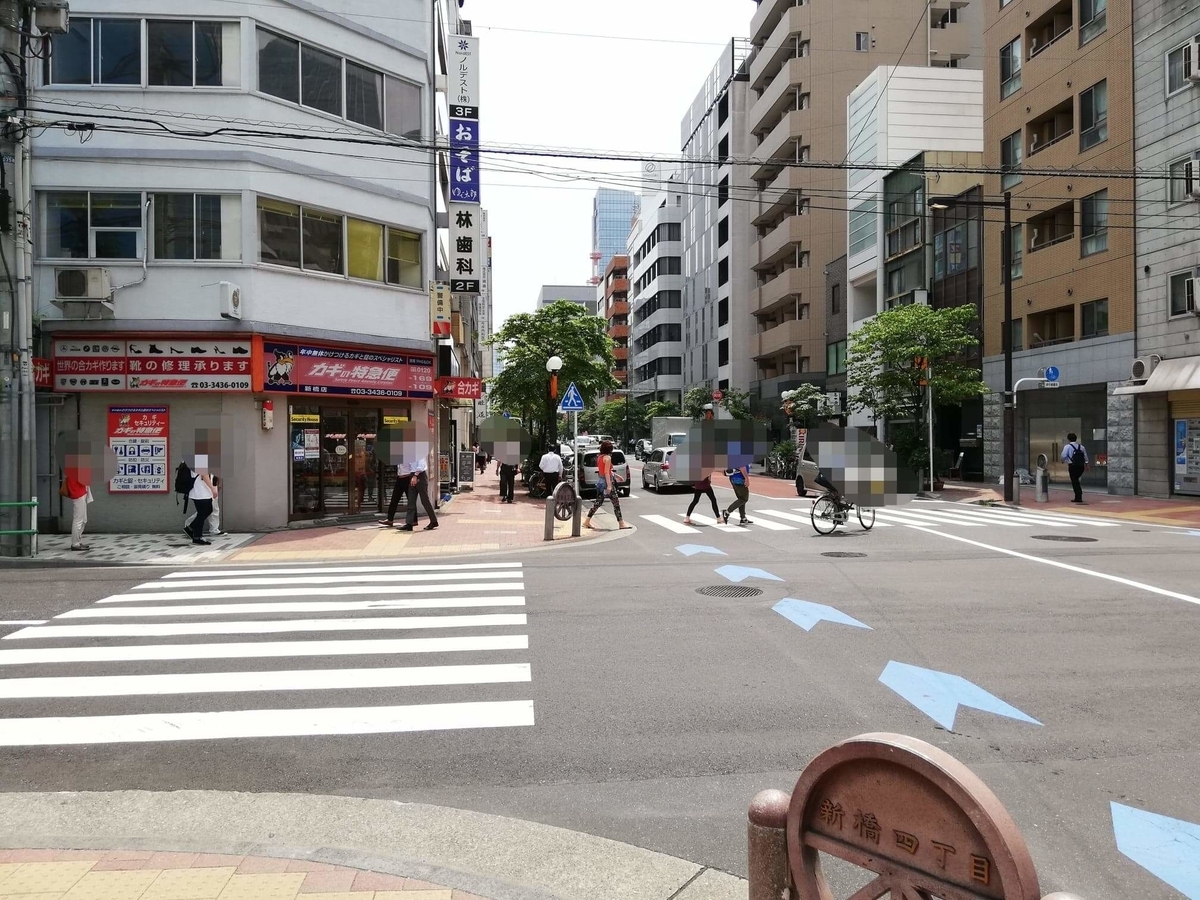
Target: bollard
<point>1016,477</point>
<point>766,844</point>
<point>577,520</point>
<point>549,534</point>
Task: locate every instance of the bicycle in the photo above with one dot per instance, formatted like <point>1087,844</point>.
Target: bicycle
<point>828,512</point>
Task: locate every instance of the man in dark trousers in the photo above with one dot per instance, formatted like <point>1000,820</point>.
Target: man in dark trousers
<point>1076,458</point>
<point>419,487</point>
<point>508,480</point>
<point>403,480</point>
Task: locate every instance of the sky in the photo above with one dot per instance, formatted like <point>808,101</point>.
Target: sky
<point>627,91</point>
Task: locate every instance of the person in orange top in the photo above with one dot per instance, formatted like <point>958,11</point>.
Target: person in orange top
<point>76,475</point>
<point>606,486</point>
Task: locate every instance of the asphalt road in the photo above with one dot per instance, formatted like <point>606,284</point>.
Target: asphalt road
<point>658,712</point>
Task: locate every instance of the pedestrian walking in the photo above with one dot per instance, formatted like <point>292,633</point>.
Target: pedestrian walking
<point>212,528</point>
<point>399,489</point>
<point>481,459</point>
<point>202,495</point>
<point>1076,458</point>
<point>551,465</point>
<point>419,488</point>
<point>739,480</point>
<point>702,489</point>
<point>508,480</point>
<point>606,486</point>
<point>75,488</point>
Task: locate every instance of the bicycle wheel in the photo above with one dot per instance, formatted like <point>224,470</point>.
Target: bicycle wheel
<point>866,517</point>
<point>824,515</point>
<point>537,486</point>
<point>564,504</point>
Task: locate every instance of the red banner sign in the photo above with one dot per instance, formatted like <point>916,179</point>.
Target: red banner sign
<point>89,364</point>
<point>460,388</point>
<point>43,373</point>
<point>321,370</point>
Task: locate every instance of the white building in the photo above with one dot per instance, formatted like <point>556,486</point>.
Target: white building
<point>656,297</point>
<point>258,190</point>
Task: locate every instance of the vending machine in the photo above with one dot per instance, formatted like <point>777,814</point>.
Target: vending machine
<point>1187,456</point>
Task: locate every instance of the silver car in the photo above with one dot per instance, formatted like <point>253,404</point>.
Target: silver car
<point>589,474</point>
<point>806,477</point>
<point>658,471</point>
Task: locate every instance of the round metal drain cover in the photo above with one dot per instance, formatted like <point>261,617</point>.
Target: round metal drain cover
<point>841,554</point>
<point>1066,538</point>
<point>729,590</point>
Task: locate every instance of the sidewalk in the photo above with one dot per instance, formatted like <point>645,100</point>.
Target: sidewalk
<point>1177,512</point>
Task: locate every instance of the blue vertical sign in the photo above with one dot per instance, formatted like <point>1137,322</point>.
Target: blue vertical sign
<point>464,160</point>
<point>466,241</point>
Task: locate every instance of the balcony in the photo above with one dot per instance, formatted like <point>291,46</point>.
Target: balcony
<point>778,47</point>
<point>617,286</point>
<point>779,96</point>
<point>784,337</point>
<point>786,142</point>
<point>616,332</point>
<point>1051,127</point>
<point>1052,227</point>
<point>767,17</point>
<point>618,308</point>
<point>781,195</point>
<point>948,40</point>
<point>1049,28</point>
<point>782,242</point>
<point>788,286</point>
<point>1055,326</point>
<point>621,353</point>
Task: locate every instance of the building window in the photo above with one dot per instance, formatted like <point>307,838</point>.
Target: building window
<point>1180,66</point>
<point>320,80</point>
<point>1182,291</point>
<point>97,51</point>
<point>403,104</point>
<point>1017,248</point>
<point>723,191</point>
<point>1010,68</point>
<point>862,41</point>
<point>364,249</point>
<point>404,258</point>
<point>1093,216</point>
<point>278,66</point>
<point>1178,188</point>
<point>192,54</point>
<point>862,226</point>
<point>81,225</point>
<point>835,358</point>
<point>1092,19</point>
<point>197,226</point>
<point>723,232</point>
<point>364,96</point>
<point>835,299</point>
<point>1093,319</point>
<point>1018,335</point>
<point>1010,161</point>
<point>279,233</point>
<point>1093,116</point>
<point>723,352</point>
<point>723,311</point>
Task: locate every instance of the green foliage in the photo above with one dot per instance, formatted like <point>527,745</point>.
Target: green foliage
<point>609,418</point>
<point>695,399</point>
<point>736,403</point>
<point>561,329</point>
<point>733,401</point>
<point>656,408</point>
<point>806,405</point>
<point>785,449</point>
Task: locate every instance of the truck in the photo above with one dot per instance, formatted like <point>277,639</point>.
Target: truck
<point>669,431</point>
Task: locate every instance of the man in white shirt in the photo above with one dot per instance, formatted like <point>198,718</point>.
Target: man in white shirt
<point>552,467</point>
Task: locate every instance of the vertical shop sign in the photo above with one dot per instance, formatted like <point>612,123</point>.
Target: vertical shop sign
<point>440,315</point>
<point>467,256</point>
<point>466,251</point>
<point>137,437</point>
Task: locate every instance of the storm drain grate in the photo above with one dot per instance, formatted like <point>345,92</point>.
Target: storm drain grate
<point>843,554</point>
<point>733,591</point>
<point>1068,538</point>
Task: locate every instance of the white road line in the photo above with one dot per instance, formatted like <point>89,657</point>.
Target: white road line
<point>672,525</point>
<point>1128,582</point>
<point>803,520</point>
<point>304,606</point>
<point>261,649</point>
<point>244,723</point>
<point>461,577</point>
<point>965,518</point>
<point>238,682</point>
<point>23,622</point>
<point>339,570</point>
<point>373,623</point>
<point>1066,518</point>
<point>982,516</point>
<point>714,523</point>
<point>900,518</point>
<point>356,590</point>
<point>770,526</point>
<point>633,497</point>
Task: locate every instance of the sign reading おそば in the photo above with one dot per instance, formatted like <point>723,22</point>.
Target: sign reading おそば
<point>138,438</point>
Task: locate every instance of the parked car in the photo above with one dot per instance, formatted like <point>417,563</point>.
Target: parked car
<point>589,473</point>
<point>657,471</point>
<point>807,476</point>
<point>643,448</point>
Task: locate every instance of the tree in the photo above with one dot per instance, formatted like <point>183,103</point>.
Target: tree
<point>736,403</point>
<point>610,418</point>
<point>562,329</point>
<point>893,356</point>
<point>805,405</point>
<point>733,401</point>
<point>656,408</point>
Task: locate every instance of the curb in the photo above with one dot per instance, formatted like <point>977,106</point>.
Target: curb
<point>491,856</point>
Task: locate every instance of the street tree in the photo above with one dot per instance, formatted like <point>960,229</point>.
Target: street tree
<point>893,356</point>
<point>695,399</point>
<point>656,408</point>
<point>736,402</point>
<point>806,405</point>
<point>562,329</point>
<point>611,418</point>
<point>733,401</point>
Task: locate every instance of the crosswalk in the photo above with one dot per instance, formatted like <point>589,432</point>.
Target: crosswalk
<point>269,653</point>
<point>926,514</point>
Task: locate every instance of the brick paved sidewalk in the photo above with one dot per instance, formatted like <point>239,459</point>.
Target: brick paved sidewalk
<point>145,875</point>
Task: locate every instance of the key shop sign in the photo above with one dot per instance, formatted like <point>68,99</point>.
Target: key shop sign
<point>297,368</point>
<point>137,437</point>
<point>96,364</point>
<point>460,388</point>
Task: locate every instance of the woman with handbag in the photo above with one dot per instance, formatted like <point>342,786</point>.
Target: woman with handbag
<point>606,485</point>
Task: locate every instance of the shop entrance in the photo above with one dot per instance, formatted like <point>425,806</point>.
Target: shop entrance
<point>334,468</point>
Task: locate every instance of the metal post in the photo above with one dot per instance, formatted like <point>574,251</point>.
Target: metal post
<point>929,390</point>
<point>766,845</point>
<point>1010,410</point>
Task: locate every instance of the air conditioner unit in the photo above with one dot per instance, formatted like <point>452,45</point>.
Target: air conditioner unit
<point>51,16</point>
<point>1191,62</point>
<point>1143,366</point>
<point>231,300</point>
<point>82,284</point>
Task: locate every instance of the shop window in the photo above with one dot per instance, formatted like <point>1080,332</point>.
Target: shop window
<point>364,249</point>
<point>322,242</point>
<point>404,258</point>
<point>197,226</point>
<point>81,225</point>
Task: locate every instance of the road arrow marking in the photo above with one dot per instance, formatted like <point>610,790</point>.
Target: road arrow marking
<point>806,614</point>
<point>939,694</point>
<point>741,573</point>
<point>693,549</point>
<point>1169,849</point>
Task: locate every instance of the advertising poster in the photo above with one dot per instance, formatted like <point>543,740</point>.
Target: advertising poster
<point>137,437</point>
<point>305,369</point>
<point>90,364</point>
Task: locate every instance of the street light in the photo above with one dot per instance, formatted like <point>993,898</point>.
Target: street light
<point>1010,423</point>
<point>553,365</point>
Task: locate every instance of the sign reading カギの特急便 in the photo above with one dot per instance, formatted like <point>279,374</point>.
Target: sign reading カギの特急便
<point>138,438</point>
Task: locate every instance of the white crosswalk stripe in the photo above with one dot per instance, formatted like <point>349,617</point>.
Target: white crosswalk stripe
<point>141,663</point>
<point>671,525</point>
<point>805,519</point>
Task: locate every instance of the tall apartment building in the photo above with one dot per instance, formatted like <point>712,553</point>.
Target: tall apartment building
<point>807,58</point>
<point>1166,128</point>
<point>656,282</point>
<point>612,217</point>
<point>718,329</point>
<point>1058,94</point>
<point>616,313</point>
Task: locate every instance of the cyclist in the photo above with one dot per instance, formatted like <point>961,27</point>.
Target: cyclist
<point>823,480</point>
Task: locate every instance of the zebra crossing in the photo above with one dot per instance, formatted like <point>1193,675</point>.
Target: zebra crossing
<point>926,514</point>
<point>269,653</point>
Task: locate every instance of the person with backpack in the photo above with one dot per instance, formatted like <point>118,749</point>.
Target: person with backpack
<point>212,528</point>
<point>202,494</point>
<point>739,480</point>
<point>1076,458</point>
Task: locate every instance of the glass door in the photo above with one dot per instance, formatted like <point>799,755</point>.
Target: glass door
<point>305,425</point>
<point>1049,436</point>
<point>335,462</point>
<point>364,468</point>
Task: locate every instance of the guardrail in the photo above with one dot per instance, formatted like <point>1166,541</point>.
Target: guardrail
<point>31,533</point>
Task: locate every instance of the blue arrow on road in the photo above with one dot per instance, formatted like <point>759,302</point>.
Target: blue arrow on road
<point>741,573</point>
<point>1169,849</point>
<point>693,549</point>
<point>806,614</point>
<point>939,695</point>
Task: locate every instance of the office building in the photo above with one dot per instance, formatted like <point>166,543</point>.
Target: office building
<point>1056,96</point>
<point>615,310</point>
<point>612,217</point>
<point>656,281</point>
<point>583,294</point>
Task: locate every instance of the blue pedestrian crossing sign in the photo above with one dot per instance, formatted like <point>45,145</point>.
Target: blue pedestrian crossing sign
<point>1052,373</point>
<point>572,400</point>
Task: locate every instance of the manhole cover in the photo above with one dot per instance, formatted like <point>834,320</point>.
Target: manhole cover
<point>729,590</point>
<point>1067,538</point>
<point>841,554</point>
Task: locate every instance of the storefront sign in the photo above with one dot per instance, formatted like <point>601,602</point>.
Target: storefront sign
<point>464,160</point>
<point>466,250</point>
<point>394,421</point>
<point>466,467</point>
<point>440,314</point>
<point>464,77</point>
<point>43,373</point>
<point>443,467</point>
<point>297,368</point>
<point>305,418</point>
<point>91,364</point>
<point>460,388</point>
<point>137,437</point>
